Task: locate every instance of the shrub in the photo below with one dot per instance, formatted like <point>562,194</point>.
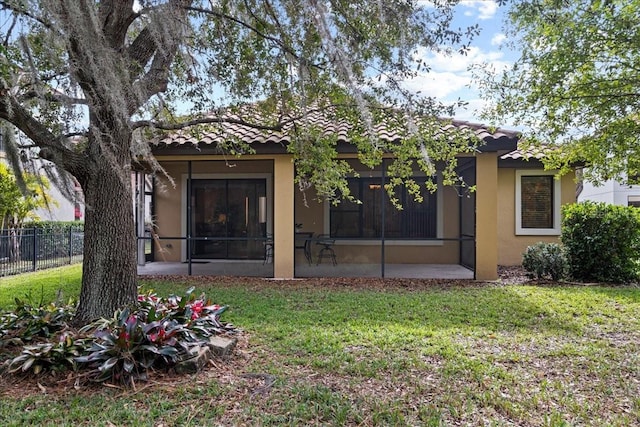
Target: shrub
<point>56,354</point>
<point>28,323</point>
<point>42,333</point>
<point>545,259</point>
<point>154,333</point>
<point>159,333</point>
<point>602,241</point>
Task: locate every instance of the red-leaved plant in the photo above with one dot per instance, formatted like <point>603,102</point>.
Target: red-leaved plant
<point>154,333</point>
<point>158,333</point>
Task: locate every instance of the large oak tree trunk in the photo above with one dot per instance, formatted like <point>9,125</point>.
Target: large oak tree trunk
<point>109,275</point>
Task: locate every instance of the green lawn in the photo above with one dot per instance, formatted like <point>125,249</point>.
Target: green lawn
<point>44,285</point>
<point>481,355</point>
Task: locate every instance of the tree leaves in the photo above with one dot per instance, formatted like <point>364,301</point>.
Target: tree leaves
<point>576,83</point>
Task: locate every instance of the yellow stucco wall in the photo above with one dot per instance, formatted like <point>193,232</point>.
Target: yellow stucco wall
<point>486,216</point>
<point>510,245</point>
<point>283,228</point>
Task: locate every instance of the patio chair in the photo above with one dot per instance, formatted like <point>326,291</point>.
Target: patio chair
<point>303,241</point>
<point>268,249</point>
<point>327,242</point>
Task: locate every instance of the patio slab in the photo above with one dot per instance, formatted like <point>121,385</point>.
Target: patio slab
<point>257,269</point>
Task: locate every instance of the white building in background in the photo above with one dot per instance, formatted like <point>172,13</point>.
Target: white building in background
<point>62,209</point>
<point>612,192</point>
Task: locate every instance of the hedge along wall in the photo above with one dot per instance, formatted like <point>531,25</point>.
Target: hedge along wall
<point>602,241</point>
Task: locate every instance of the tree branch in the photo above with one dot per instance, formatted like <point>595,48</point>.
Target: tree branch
<point>52,97</point>
<point>10,30</point>
<point>13,112</point>
<point>599,96</point>
<point>25,12</point>
<point>284,119</point>
<point>163,52</point>
<point>141,49</point>
<point>207,120</point>
<point>116,17</point>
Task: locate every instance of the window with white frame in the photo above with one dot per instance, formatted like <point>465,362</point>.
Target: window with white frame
<point>537,203</point>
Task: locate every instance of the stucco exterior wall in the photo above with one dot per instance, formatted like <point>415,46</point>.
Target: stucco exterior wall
<point>486,216</point>
<point>510,245</point>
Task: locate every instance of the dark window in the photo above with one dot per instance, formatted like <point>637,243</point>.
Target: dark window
<point>537,201</point>
<point>415,220</point>
<point>227,209</point>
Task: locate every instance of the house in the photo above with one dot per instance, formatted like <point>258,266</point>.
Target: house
<point>612,192</point>
<point>249,210</point>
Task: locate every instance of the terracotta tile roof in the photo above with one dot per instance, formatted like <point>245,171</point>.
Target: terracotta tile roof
<point>234,127</point>
<point>529,153</point>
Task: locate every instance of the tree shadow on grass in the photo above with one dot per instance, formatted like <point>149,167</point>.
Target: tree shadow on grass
<point>491,308</point>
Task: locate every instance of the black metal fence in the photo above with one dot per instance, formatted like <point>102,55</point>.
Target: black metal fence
<point>31,249</point>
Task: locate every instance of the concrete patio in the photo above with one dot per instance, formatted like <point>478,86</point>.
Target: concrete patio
<point>258,269</point>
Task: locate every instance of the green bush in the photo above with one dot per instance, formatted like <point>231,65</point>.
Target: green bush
<point>53,239</point>
<point>54,226</point>
<point>545,260</point>
<point>154,333</point>
<point>602,242</point>
<point>28,322</point>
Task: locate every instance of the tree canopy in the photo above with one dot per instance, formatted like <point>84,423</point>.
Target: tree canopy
<point>576,83</point>
<point>15,206</point>
<point>89,83</point>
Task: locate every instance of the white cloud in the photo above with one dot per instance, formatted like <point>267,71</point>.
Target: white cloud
<point>498,39</point>
<point>472,110</point>
<point>486,8</point>
<point>456,62</point>
<point>439,85</point>
<point>449,78</point>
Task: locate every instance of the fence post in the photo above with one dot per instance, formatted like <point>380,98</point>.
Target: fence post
<point>35,249</point>
<point>70,243</point>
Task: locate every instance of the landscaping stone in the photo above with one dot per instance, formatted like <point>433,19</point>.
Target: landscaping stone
<point>195,364</point>
<point>216,347</point>
<point>222,346</point>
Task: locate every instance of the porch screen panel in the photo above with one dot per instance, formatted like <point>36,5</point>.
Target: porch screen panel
<point>537,201</point>
<point>345,217</point>
<point>209,214</point>
<point>243,204</point>
<point>415,220</point>
<point>226,218</point>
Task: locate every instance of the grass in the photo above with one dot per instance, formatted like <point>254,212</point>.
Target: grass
<point>485,355</point>
<point>44,285</point>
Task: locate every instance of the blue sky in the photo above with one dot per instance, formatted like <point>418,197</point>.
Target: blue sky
<point>450,78</point>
